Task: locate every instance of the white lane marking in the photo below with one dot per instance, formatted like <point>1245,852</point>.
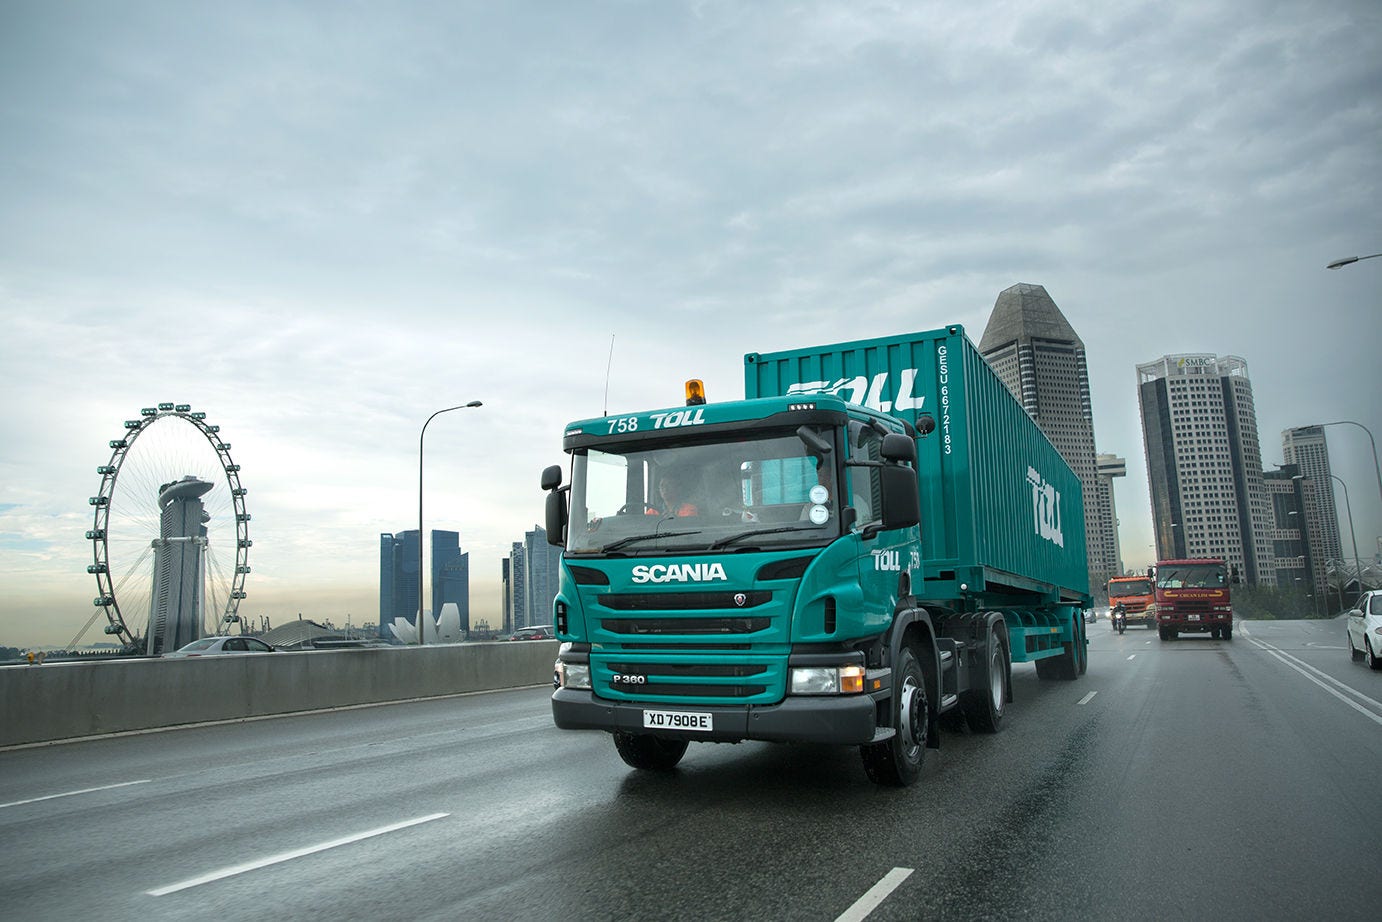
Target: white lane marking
<point>1086,698</point>
<point>289,856</point>
<point>1134,656</point>
<point>104,787</point>
<point>877,894</point>
<point>1291,661</point>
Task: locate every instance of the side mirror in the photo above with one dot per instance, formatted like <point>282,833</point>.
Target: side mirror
<point>556,518</point>
<point>551,477</point>
<point>901,496</point>
<point>899,448</point>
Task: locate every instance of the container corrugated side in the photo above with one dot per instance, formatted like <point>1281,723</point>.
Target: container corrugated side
<point>986,470</point>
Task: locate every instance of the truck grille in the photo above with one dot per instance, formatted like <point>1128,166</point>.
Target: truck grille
<point>672,680</point>
<point>682,601</point>
<point>684,626</point>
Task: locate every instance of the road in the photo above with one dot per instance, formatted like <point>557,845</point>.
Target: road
<point>1193,779</point>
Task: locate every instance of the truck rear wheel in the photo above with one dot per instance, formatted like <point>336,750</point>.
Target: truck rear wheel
<point>897,762</point>
<point>652,753</point>
<point>984,707</point>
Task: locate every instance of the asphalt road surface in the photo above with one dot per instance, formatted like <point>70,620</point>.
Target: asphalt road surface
<point>1194,779</point>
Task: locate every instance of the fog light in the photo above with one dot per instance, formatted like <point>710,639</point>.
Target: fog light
<point>574,675</point>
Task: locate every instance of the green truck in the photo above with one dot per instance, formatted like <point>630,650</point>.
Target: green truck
<point>855,554</point>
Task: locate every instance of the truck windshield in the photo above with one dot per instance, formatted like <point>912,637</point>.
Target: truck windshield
<point>1122,589</point>
<point>765,489</point>
<point>1191,576</point>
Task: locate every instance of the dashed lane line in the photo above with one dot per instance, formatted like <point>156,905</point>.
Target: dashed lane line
<point>234,870</point>
<point>104,787</point>
<point>875,895</point>
<point>1087,698</point>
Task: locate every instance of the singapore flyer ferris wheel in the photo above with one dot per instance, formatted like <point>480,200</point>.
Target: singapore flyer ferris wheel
<point>170,532</point>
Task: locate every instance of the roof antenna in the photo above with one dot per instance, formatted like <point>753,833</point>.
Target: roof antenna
<point>608,366</point>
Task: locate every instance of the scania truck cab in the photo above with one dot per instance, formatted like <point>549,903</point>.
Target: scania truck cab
<point>783,564</point>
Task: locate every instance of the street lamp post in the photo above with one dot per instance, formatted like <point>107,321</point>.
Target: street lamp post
<point>420,546</point>
<point>1356,562</point>
<point>1349,260</point>
<point>1377,468</point>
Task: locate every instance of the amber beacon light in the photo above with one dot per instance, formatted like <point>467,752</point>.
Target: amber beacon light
<point>695,393</point>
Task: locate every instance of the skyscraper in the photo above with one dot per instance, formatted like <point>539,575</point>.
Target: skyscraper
<point>1109,467</point>
<point>1296,559</point>
<point>399,570</point>
<point>533,575</point>
<point>1204,462</point>
<point>450,575</point>
<point>1306,448</point>
<point>1036,353</point>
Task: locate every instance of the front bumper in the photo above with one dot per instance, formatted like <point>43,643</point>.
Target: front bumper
<point>1205,622</point>
<point>846,720</point>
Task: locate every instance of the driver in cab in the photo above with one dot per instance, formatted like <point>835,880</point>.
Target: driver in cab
<point>672,489</point>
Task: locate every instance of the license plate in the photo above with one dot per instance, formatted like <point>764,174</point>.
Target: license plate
<point>677,720</point>
<point>1194,617</point>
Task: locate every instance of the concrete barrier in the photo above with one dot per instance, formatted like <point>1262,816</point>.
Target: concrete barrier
<point>65,700</point>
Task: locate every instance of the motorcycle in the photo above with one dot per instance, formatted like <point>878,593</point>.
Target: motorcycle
<point>1120,618</point>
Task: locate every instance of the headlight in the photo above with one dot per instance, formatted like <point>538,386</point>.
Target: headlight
<point>573,675</point>
<point>827,680</point>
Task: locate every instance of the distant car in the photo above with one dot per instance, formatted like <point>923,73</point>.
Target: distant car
<point>1365,629</point>
<point>213,646</point>
<point>542,632</point>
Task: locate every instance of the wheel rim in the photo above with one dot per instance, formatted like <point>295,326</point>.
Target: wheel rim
<point>996,680</point>
<point>912,720</point>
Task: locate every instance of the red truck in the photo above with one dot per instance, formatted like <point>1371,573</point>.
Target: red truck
<point>1135,594</point>
<point>1192,595</point>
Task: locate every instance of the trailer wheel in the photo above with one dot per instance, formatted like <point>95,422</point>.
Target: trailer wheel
<point>897,762</point>
<point>984,707</point>
<point>652,753</point>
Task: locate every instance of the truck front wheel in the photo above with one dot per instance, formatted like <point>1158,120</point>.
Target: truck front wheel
<point>649,752</point>
<point>897,762</point>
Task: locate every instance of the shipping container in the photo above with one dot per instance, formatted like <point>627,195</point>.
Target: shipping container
<point>1001,511</point>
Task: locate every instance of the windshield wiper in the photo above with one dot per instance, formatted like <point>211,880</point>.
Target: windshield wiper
<point>631,538</point>
<point>725,542</point>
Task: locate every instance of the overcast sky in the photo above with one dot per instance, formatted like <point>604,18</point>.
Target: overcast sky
<point>320,222</point>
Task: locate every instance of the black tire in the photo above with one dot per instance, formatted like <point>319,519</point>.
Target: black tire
<point>897,762</point>
<point>1083,648</point>
<point>1370,657</point>
<point>1163,633</point>
<point>1353,652</point>
<point>985,707</point>
<point>1214,633</point>
<point>1228,632</point>
<point>652,753</point>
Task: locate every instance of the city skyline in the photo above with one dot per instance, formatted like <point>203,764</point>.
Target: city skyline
<point>319,228</point>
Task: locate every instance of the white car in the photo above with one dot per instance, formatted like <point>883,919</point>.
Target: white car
<point>211,646</point>
<point>1365,629</point>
